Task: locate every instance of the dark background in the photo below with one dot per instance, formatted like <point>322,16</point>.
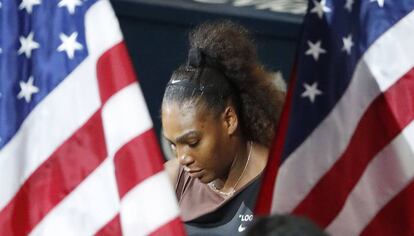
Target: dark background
<point>155,33</point>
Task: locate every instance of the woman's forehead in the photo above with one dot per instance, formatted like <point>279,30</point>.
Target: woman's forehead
<point>179,118</point>
<point>184,110</point>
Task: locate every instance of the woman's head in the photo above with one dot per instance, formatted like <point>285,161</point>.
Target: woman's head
<point>201,140</point>
<point>222,81</point>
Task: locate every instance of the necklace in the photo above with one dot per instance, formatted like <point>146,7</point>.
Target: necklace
<point>233,190</point>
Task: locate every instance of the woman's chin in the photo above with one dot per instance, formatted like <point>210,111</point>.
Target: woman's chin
<point>205,179</point>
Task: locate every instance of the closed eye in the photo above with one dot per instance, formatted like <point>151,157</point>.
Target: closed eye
<point>193,144</point>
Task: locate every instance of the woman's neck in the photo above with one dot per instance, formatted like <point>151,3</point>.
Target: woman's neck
<point>236,171</point>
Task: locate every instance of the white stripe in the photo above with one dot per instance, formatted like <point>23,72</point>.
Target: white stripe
<point>90,206</point>
<point>388,174</point>
<point>101,28</point>
<point>148,206</point>
<point>62,112</point>
<point>124,116</point>
<point>335,131</point>
<point>96,201</point>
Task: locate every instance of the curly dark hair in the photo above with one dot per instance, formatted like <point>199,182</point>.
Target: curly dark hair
<point>222,65</point>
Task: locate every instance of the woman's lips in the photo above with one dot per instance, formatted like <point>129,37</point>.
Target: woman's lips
<point>195,173</point>
<point>191,170</point>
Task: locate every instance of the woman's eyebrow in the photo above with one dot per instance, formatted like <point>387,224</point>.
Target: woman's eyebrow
<point>186,135</point>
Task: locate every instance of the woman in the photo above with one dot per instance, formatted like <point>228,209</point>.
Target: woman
<point>219,112</point>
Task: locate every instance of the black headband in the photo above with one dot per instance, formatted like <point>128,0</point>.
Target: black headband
<point>197,59</point>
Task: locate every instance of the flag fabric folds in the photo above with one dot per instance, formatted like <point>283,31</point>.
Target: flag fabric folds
<point>344,153</point>
<point>78,155</point>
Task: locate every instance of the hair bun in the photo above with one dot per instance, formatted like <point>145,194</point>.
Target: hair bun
<point>195,58</point>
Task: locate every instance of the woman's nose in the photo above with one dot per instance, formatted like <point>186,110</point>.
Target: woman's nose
<point>185,159</point>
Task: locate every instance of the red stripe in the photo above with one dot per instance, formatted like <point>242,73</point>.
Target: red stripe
<point>382,122</point>
<point>113,228</point>
<point>265,198</point>
<point>396,218</point>
<point>172,228</point>
<point>137,160</point>
<point>55,178</point>
<point>114,71</point>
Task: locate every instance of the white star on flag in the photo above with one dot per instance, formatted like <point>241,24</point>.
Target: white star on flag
<point>70,5</point>
<point>311,91</point>
<point>27,45</point>
<point>348,5</point>
<point>380,2</point>
<point>28,5</point>
<point>69,44</point>
<point>348,44</point>
<point>320,8</point>
<point>27,90</point>
<point>315,49</point>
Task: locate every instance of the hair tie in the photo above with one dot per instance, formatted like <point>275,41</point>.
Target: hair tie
<point>195,58</point>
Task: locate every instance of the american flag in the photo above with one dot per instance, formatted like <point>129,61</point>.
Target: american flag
<point>78,155</point>
<point>344,154</point>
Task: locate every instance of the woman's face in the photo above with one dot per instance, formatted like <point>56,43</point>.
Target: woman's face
<point>199,139</point>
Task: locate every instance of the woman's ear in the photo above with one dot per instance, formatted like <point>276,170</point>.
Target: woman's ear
<point>230,119</point>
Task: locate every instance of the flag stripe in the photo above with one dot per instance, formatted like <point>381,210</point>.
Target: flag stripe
<point>102,29</point>
<point>387,175</point>
<point>119,129</point>
<point>112,228</point>
<point>114,71</point>
<point>364,88</point>
<point>97,193</point>
<point>138,214</point>
<point>131,169</point>
<point>371,136</point>
<point>55,178</point>
<point>131,166</point>
<point>124,116</point>
<point>396,213</point>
